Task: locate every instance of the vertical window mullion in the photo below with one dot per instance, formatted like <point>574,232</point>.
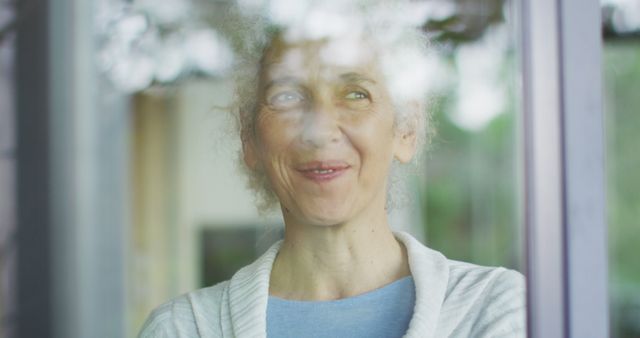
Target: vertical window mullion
<point>543,166</point>
<point>583,141</point>
<point>564,160</point>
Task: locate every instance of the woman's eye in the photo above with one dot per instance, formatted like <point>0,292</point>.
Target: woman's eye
<point>356,95</point>
<point>286,98</point>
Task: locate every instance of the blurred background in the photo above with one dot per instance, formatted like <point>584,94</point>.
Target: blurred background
<point>119,178</point>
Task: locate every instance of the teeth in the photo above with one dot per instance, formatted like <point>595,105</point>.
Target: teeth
<point>323,171</point>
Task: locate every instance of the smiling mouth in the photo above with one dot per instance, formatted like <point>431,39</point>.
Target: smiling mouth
<point>318,171</point>
<point>323,171</point>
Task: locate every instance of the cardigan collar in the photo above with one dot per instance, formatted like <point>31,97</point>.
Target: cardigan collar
<point>248,290</point>
<point>430,271</point>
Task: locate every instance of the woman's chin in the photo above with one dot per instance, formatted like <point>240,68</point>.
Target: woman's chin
<point>326,216</point>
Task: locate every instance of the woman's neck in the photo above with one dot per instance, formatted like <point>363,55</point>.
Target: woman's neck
<point>333,262</point>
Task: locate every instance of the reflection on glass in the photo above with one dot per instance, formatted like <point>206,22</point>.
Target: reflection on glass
<point>353,120</point>
<point>622,80</point>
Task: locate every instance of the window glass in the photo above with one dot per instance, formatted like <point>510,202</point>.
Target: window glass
<point>161,144</point>
<point>193,219</point>
<point>621,66</point>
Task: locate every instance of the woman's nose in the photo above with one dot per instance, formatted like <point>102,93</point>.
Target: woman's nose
<point>320,126</point>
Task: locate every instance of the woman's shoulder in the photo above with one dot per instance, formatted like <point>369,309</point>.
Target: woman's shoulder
<point>464,275</point>
<point>193,314</point>
<point>207,312</point>
<point>467,300</point>
<point>485,284</point>
<point>491,299</point>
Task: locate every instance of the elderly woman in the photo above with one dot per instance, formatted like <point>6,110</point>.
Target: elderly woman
<point>323,121</point>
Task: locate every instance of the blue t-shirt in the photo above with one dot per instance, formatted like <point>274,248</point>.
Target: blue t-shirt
<point>383,313</point>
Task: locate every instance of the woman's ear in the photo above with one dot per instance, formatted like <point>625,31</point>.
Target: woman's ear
<point>405,146</point>
<point>406,135</point>
<point>249,150</point>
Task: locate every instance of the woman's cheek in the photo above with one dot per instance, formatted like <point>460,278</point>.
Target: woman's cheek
<point>276,133</point>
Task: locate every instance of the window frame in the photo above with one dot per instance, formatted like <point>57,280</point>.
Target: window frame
<point>563,147</point>
<point>563,131</point>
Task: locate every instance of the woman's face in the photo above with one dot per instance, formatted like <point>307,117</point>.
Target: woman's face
<point>324,131</point>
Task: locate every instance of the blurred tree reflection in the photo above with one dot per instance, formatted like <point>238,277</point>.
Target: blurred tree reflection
<point>470,199</point>
<point>622,102</point>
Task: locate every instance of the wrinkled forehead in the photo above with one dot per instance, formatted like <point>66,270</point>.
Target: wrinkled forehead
<point>324,56</point>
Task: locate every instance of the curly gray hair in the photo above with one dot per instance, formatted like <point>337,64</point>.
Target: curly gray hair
<point>402,51</point>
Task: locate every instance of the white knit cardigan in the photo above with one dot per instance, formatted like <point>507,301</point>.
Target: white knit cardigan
<point>453,299</point>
